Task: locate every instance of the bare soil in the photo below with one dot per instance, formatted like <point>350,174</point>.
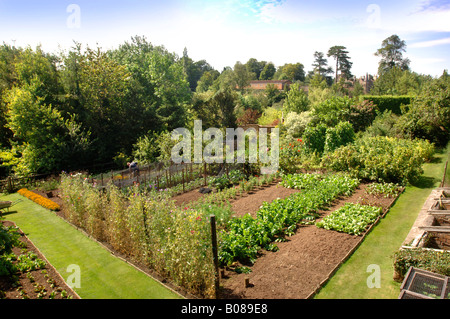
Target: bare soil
<point>44,283</point>
<point>302,263</point>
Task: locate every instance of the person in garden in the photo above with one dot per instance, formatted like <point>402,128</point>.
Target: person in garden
<point>134,169</point>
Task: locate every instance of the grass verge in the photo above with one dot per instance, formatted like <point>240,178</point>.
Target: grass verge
<point>355,276</point>
<point>102,276</point>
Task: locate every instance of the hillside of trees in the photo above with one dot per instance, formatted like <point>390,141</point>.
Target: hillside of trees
<point>87,106</point>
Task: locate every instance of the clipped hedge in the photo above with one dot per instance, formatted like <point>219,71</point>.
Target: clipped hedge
<point>431,260</point>
<point>389,102</point>
<point>38,199</point>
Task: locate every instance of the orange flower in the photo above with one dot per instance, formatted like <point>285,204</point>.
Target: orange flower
<point>38,199</point>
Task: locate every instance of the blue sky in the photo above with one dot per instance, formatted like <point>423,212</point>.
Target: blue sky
<point>223,32</point>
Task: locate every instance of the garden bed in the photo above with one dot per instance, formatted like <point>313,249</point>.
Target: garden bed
<point>304,262</point>
<point>43,283</point>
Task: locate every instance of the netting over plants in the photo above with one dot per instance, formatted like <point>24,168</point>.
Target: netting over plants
<point>422,284</point>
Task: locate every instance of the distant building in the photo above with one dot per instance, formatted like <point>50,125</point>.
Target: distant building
<point>262,85</point>
<point>366,82</point>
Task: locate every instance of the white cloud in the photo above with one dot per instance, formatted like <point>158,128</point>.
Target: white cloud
<point>431,43</point>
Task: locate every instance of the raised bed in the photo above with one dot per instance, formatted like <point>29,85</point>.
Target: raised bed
<point>422,284</point>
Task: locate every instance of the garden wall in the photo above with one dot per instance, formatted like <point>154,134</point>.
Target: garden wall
<point>438,240</point>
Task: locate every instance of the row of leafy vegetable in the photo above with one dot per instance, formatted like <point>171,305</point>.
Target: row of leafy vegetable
<point>245,236</point>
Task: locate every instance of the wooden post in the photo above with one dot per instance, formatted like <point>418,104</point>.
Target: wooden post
<point>167,179</point>
<point>182,177</point>
<point>215,257</point>
<point>10,187</point>
<point>102,179</point>
<point>170,175</point>
<point>204,172</point>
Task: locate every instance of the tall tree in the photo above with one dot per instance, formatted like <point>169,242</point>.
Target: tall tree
<point>343,64</point>
<point>391,53</point>
<point>241,76</point>
<point>194,70</point>
<point>8,79</point>
<point>216,109</point>
<point>255,68</point>
<point>141,106</point>
<point>268,72</point>
<point>296,100</point>
<point>291,71</point>
<point>320,64</point>
<point>46,141</point>
<point>207,80</point>
<point>103,87</point>
<point>171,89</point>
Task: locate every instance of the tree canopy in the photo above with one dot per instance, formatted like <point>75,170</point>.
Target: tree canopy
<point>343,63</point>
<point>391,53</point>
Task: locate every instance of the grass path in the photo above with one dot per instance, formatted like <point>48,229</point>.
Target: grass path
<point>102,276</point>
<point>350,281</point>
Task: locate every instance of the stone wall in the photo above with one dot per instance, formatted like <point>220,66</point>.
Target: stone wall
<point>438,240</point>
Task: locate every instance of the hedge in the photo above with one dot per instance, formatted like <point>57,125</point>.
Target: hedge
<point>434,261</point>
<point>389,102</point>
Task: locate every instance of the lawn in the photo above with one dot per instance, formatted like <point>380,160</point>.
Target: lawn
<point>350,281</point>
<point>102,276</point>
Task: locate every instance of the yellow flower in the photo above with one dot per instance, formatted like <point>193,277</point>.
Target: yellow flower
<point>38,199</point>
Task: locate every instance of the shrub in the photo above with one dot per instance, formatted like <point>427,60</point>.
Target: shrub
<point>382,159</point>
<point>362,115</point>
<point>388,102</point>
<point>314,138</point>
<point>220,182</point>
<point>340,135</point>
<point>332,111</point>
<point>385,124</point>
<point>270,116</point>
<point>434,261</point>
<point>296,123</point>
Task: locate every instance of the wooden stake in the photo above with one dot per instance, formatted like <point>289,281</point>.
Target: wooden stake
<point>204,172</point>
<point>182,177</point>
<point>214,250</point>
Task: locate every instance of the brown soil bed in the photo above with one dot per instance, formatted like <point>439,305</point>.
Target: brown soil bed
<point>44,283</point>
<point>246,204</point>
<point>302,263</point>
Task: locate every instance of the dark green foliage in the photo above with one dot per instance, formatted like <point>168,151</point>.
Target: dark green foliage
<point>340,135</point>
<point>314,138</point>
<point>428,116</point>
<point>86,106</point>
<point>389,102</point>
<point>381,159</point>
<point>434,261</point>
<point>9,237</point>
